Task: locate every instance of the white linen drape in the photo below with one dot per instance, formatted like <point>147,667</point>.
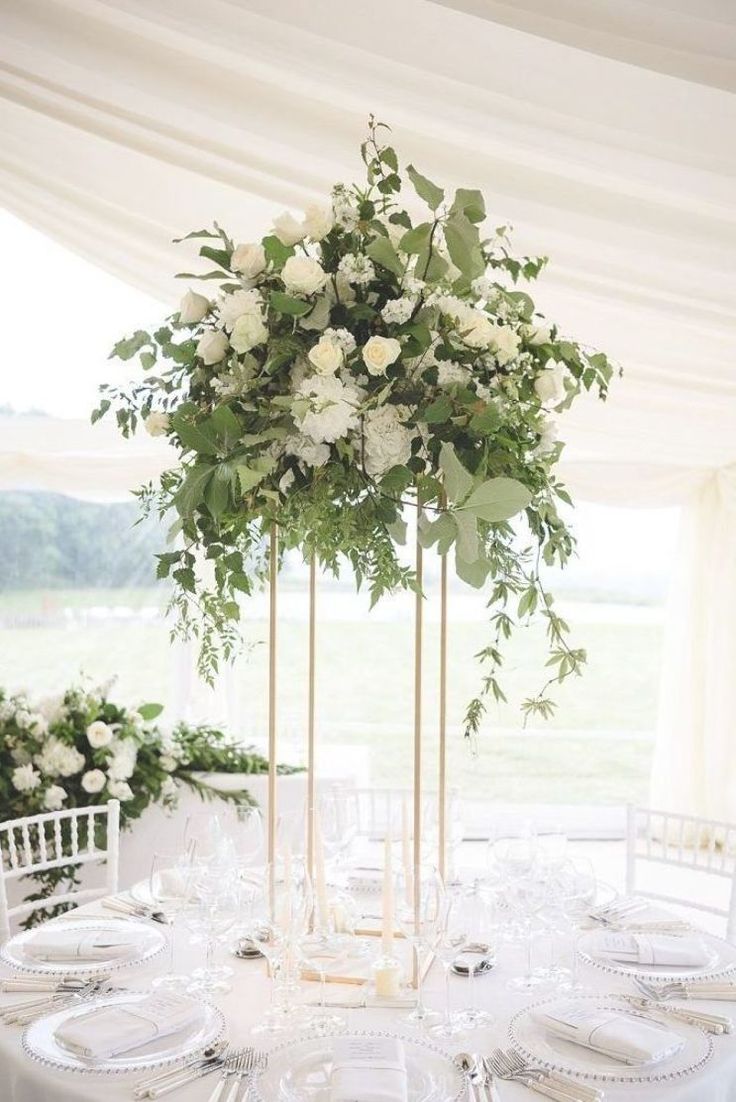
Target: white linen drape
<point>602,130</point>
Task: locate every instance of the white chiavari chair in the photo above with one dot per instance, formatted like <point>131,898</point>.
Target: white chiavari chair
<point>700,847</point>
<point>53,840</point>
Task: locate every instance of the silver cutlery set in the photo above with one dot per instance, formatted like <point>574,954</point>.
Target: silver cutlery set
<point>621,915</point>
<point>507,1064</point>
<point>236,1067</point>
<point>51,997</point>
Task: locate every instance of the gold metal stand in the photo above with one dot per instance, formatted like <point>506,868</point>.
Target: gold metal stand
<point>418,640</point>
<point>272,622</point>
<point>311,772</point>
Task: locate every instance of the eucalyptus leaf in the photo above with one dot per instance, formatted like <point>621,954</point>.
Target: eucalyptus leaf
<point>416,239</point>
<point>382,251</point>
<point>467,536</point>
<point>470,202</point>
<point>457,480</point>
<point>498,499</point>
<point>287,304</point>
<point>425,189</point>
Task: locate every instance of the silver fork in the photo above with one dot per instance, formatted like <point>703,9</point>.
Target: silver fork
<point>210,1057</point>
<point>499,1066</point>
<point>243,1066</point>
<point>679,989</point>
<point>516,1061</point>
<point>232,1065</point>
<point>26,1013</point>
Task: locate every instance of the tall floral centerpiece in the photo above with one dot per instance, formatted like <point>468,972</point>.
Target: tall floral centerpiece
<point>379,352</point>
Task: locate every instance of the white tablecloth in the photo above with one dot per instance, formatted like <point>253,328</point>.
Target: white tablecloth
<point>22,1080</point>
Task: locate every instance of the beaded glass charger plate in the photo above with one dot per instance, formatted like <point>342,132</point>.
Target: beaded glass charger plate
<point>299,1071</point>
<point>143,941</point>
<point>544,1049</point>
<point>40,1043</point>
<point>720,959</point>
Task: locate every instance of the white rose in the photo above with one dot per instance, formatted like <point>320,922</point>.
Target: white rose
<point>39,725</point>
<point>248,259</point>
<point>93,781</point>
<point>476,329</point>
<point>248,332</point>
<point>288,230</point>
<point>379,353</point>
<point>25,778</point>
<point>234,305</point>
<point>318,221</point>
<point>54,797</point>
<point>167,762</point>
<point>212,347</point>
<point>303,275</point>
<point>120,790</point>
<point>23,718</point>
<point>99,734</point>
<point>505,343</point>
<point>326,356</point>
<point>52,708</point>
<point>538,334</point>
<point>193,308</point>
<point>122,761</point>
<point>549,385</point>
<point>157,423</point>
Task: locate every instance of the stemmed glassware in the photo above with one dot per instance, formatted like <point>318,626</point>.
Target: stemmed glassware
<point>452,938</point>
<point>527,897</point>
<point>169,883</point>
<point>211,912</point>
<point>337,810</point>
<point>419,915</point>
<point>480,906</point>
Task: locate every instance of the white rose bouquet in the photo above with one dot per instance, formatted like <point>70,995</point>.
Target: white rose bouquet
<point>351,362</point>
<point>83,749</point>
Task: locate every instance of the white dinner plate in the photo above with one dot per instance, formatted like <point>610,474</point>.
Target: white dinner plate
<point>721,959</point>
<point>544,1049</point>
<point>147,941</point>
<point>40,1043</point>
<point>299,1071</point>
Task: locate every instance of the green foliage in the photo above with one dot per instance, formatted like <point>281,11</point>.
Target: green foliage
<point>313,431</point>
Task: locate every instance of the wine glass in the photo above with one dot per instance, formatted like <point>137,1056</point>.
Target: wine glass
<point>168,885</point>
<point>205,837</point>
<point>480,904</point>
<point>419,911</point>
<point>338,821</point>
<point>452,938</point>
<point>211,913</point>
<point>280,921</point>
<point>247,835</point>
<point>527,898</point>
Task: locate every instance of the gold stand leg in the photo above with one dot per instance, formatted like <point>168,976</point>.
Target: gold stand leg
<point>272,621</point>
<point>418,633</point>
<point>311,778</point>
<point>442,779</point>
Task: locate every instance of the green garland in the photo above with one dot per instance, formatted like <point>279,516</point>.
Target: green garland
<point>82,748</point>
<point>370,356</point>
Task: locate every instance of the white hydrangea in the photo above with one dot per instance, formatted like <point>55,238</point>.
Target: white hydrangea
<point>122,761</point>
<point>120,790</point>
<point>332,409</point>
<point>306,451</point>
<point>450,305</point>
<point>505,343</point>
<point>449,372</point>
<point>356,269</point>
<point>386,441</point>
<point>25,778</point>
<point>235,382</point>
<point>398,310</point>
<point>54,797</point>
<point>343,337</point>
<point>56,759</point>
<point>413,285</point>
<point>39,724</point>
<point>169,788</point>
<point>23,719</point>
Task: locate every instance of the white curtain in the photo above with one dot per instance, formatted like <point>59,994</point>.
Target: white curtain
<point>602,129</point>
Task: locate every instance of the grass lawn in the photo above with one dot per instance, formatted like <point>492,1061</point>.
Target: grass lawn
<point>596,749</point>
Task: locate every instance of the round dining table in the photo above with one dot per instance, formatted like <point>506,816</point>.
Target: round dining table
<point>22,1079</point>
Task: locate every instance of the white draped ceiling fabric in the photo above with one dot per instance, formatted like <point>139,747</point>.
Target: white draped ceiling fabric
<point>602,129</point>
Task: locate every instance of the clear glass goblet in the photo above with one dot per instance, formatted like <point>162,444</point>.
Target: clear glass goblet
<point>419,910</point>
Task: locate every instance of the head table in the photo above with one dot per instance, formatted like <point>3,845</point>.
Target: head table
<point>24,1080</point>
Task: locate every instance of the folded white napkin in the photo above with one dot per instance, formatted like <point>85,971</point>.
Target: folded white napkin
<point>621,1036</point>
<point>664,949</point>
<point>60,945</point>
<point>112,1030</point>
<point>368,1069</point>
